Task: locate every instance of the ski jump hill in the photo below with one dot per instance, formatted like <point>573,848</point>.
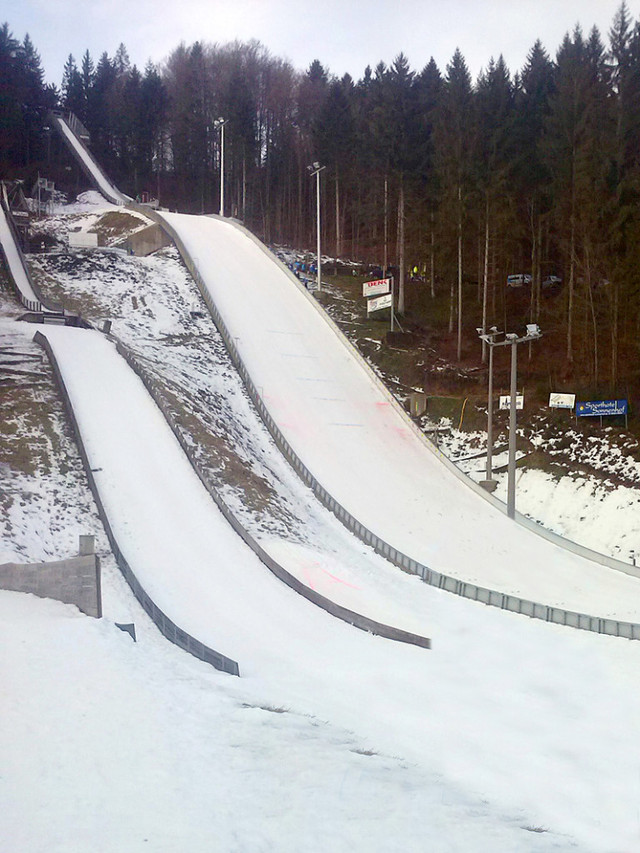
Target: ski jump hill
<point>366,460</point>
<point>350,442</point>
<point>73,134</point>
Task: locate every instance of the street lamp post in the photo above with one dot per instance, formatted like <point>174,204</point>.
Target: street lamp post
<point>315,169</point>
<point>47,130</point>
<point>489,338</point>
<point>220,123</point>
<point>512,340</point>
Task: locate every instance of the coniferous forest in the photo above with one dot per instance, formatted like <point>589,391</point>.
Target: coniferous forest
<point>456,183</point>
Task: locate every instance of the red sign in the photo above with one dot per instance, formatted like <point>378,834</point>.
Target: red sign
<point>375,288</point>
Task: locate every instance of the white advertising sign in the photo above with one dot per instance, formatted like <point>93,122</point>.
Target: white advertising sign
<point>505,401</point>
<point>373,288</point>
<point>378,303</point>
<point>562,401</point>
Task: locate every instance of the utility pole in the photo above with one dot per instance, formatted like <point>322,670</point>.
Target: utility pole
<point>220,123</point>
<point>314,170</point>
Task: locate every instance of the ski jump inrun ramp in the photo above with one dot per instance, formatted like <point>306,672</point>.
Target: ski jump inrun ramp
<point>86,160</point>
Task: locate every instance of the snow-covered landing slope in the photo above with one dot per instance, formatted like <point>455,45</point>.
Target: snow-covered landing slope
<point>343,426</point>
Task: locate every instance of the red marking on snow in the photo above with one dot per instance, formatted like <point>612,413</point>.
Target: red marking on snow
<point>340,580</point>
<point>312,569</point>
<point>307,578</point>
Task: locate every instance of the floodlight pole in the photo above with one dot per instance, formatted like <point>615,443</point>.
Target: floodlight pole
<point>393,297</point>
<point>489,339</point>
<point>511,470</point>
<point>490,419</point>
<point>315,169</point>
<point>512,340</point>
<point>221,123</point>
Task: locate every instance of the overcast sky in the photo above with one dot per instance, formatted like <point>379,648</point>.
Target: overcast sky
<point>345,35</point>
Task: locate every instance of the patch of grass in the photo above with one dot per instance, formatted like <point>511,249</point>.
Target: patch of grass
<point>84,304</point>
<point>26,430</point>
<point>116,224</point>
<point>216,454</point>
<point>541,461</point>
<point>444,407</point>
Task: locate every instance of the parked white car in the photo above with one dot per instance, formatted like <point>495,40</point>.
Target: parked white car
<point>518,280</point>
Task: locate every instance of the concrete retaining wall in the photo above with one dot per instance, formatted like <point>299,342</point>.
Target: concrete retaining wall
<point>73,581</point>
<point>147,241</point>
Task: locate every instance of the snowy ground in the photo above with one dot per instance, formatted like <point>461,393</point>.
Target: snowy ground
<point>522,742</point>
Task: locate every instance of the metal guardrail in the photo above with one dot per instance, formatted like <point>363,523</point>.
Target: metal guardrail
<point>493,598</point>
<point>77,127</point>
<point>167,627</point>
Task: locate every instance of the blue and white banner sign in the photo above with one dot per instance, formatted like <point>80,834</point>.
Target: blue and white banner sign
<point>601,408</point>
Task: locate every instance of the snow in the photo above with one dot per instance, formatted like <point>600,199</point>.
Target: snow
<point>87,201</point>
<point>510,735</point>
<point>155,751</point>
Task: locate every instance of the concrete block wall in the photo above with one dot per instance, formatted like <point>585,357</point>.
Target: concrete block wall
<point>147,241</point>
<point>75,580</point>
